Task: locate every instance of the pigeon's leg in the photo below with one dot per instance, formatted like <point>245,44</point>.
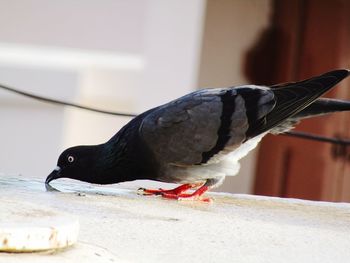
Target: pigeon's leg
<point>196,195</point>
<point>176,191</point>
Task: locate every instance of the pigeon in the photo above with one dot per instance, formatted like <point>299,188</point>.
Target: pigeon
<point>198,139</point>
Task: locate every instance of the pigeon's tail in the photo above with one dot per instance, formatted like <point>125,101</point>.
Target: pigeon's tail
<point>317,108</point>
<point>292,98</point>
<point>323,106</point>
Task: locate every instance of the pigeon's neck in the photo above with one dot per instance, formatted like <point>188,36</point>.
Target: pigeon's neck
<point>125,156</point>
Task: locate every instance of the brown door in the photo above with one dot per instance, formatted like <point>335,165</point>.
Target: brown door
<point>306,38</point>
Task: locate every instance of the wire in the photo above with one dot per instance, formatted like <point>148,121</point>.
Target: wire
<point>297,134</point>
<point>309,136</point>
<point>61,102</point>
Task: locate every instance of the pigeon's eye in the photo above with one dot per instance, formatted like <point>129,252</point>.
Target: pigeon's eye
<point>70,159</point>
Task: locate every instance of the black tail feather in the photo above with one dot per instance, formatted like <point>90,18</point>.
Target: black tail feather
<point>323,106</point>
<point>292,98</point>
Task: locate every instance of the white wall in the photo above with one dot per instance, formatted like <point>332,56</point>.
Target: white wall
<point>31,133</point>
<point>114,25</point>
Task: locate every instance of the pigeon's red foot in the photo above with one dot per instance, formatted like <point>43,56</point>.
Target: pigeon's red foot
<point>178,192</point>
<point>196,195</point>
<point>160,191</point>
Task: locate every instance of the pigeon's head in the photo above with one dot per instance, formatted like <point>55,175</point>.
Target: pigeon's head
<point>76,163</point>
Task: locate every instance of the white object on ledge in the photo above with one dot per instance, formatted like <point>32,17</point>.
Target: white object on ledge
<point>26,227</point>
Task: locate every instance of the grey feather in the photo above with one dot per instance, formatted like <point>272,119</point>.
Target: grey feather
<point>180,131</point>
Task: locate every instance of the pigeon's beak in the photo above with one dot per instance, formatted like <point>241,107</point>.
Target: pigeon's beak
<point>54,175</point>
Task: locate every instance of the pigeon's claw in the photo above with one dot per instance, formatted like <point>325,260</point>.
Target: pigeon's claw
<point>160,191</point>
<point>196,195</point>
<point>178,192</point>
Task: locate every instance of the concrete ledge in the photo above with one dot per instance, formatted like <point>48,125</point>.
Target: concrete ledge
<point>117,225</point>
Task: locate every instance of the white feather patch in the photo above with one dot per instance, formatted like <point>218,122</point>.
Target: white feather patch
<point>227,166</point>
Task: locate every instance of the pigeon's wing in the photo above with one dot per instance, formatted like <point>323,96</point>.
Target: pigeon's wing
<point>194,128</point>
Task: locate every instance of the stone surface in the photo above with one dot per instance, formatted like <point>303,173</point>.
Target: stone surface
<point>117,225</point>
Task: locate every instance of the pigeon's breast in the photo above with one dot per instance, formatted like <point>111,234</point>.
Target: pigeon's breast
<point>226,164</point>
<point>197,173</point>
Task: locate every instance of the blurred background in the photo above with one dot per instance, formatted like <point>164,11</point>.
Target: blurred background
<point>131,55</point>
